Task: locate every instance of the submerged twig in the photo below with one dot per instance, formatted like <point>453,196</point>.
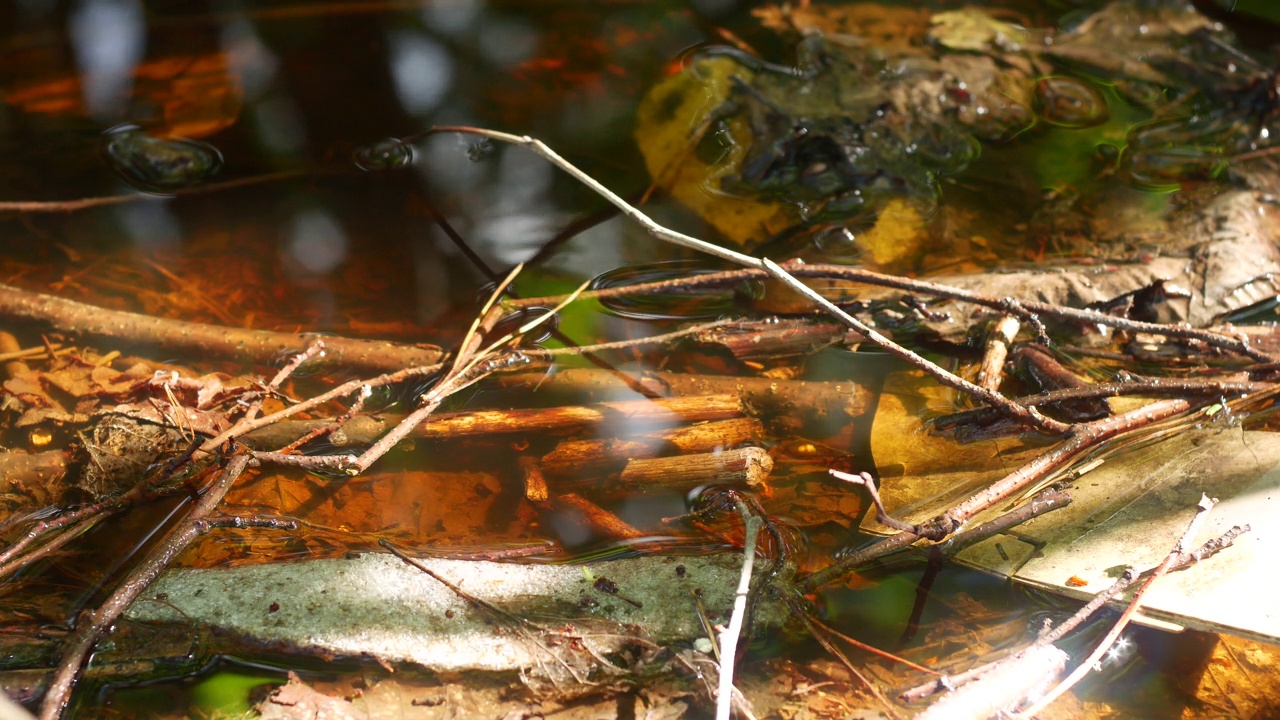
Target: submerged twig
<point>92,625</point>
<point>1083,438</point>
<point>1171,560</point>
<point>256,346</point>
<point>729,638</point>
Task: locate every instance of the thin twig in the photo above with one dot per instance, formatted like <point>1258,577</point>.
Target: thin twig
<point>1044,502</point>
<point>1027,416</point>
<point>66,206</point>
<point>865,480</point>
<point>362,395</point>
<point>92,625</point>
<point>469,366</point>
<point>729,638</point>
<point>1083,438</point>
<point>871,687</point>
<point>15,562</point>
<point>650,340</point>
<point>1150,387</point>
<point>1026,311</point>
<point>249,425</point>
<point>871,649</point>
<point>1193,528</point>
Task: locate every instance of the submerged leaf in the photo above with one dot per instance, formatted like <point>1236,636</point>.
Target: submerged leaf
<point>668,123</point>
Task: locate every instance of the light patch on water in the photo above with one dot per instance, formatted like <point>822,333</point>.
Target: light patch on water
<point>422,69</point>
<point>316,242</point>
<point>108,38</point>
<point>454,17</point>
<point>150,225</point>
<point>252,61</point>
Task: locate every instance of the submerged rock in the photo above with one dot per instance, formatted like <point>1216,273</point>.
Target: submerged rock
<point>376,605</point>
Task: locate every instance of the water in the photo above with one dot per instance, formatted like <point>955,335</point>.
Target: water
<point>285,185</point>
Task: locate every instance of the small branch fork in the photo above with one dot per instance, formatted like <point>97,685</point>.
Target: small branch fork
<point>1026,311</point>
<point>1172,560</point>
<point>1029,417</point>
<point>1081,439</point>
<point>973,688</point>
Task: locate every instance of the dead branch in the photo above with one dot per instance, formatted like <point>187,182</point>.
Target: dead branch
<point>92,625</point>
<point>1082,438</point>
<point>1027,416</point>
<point>1240,341</point>
<point>634,414</point>
<point>211,341</point>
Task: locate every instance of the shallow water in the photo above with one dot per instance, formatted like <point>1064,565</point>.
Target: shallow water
<point>264,185</point>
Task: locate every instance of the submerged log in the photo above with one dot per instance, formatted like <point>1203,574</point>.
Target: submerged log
<point>261,347</point>
<point>584,458</point>
<point>362,430</point>
<point>824,408</point>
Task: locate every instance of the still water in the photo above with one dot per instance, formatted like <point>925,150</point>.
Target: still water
<point>262,166</point>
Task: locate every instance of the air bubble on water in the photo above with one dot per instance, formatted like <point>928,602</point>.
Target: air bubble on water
<point>159,165</point>
<point>385,154</point>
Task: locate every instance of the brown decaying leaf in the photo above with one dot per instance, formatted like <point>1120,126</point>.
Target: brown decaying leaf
<point>418,508</point>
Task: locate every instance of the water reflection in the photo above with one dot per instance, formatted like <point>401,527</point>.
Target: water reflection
<point>316,243</point>
<point>108,37</point>
<point>422,69</point>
